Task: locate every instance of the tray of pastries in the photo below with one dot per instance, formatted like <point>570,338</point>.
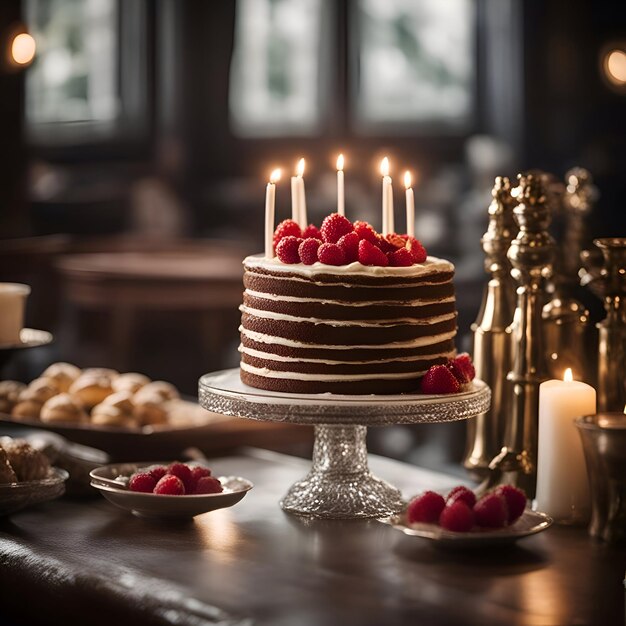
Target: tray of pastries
<point>106,409</point>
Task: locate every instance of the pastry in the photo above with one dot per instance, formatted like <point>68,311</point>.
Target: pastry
<point>63,373</point>
<point>123,400</point>
<point>108,415</point>
<point>91,389</point>
<point>165,390</point>
<point>7,475</point>
<point>63,408</point>
<point>27,409</point>
<point>9,393</point>
<point>150,409</point>
<point>40,390</point>
<point>27,462</point>
<point>131,381</point>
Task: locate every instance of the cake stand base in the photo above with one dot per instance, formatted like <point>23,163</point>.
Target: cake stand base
<point>340,484</point>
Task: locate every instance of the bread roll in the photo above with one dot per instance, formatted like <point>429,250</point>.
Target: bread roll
<point>91,389</point>
<point>104,372</point>
<point>165,390</point>
<point>26,409</point>
<point>132,381</point>
<point>108,415</point>
<point>63,408</point>
<point>123,400</point>
<point>150,410</point>
<point>9,394</point>
<point>40,390</point>
<point>64,374</point>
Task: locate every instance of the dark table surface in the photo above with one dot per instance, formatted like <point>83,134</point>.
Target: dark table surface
<point>87,562</point>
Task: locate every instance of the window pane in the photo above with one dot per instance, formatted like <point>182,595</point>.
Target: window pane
<point>275,71</point>
<point>416,61</point>
<point>75,74</point>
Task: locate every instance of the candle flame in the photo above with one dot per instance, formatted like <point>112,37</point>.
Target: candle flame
<point>407,179</point>
<point>384,167</point>
<point>300,168</point>
<point>625,409</point>
<point>568,376</point>
<point>275,175</point>
<point>340,162</point>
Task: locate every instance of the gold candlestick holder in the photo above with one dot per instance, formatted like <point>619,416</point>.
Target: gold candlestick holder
<point>608,281</point>
<point>492,338</point>
<point>565,318</point>
<point>531,254</point>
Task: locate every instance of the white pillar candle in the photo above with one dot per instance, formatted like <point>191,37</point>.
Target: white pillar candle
<point>341,206</point>
<point>387,195</point>
<point>270,199</point>
<point>410,205</point>
<point>295,200</point>
<point>562,486</point>
<point>301,214</point>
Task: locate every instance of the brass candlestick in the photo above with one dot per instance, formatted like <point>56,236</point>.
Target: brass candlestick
<point>492,338</point>
<point>565,318</point>
<point>608,281</point>
<point>531,255</point>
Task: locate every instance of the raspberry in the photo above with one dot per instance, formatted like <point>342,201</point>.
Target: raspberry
<point>515,501</point>
<point>209,484</point>
<point>400,258</point>
<point>331,254</point>
<point>170,485</point>
<point>425,508</point>
<point>491,512</point>
<point>143,482</point>
<point>395,240</point>
<point>462,493</point>
<point>365,231</point>
<point>417,250</point>
<point>308,250</point>
<point>350,245</point>
<point>285,229</point>
<point>463,368</point>
<point>334,227</point>
<point>369,254</point>
<point>439,379</point>
<point>311,232</point>
<point>183,472</point>
<point>158,471</point>
<point>457,517</point>
<point>287,249</point>
<point>197,473</point>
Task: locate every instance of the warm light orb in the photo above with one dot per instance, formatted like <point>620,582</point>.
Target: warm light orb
<point>615,66</point>
<point>340,162</point>
<point>568,376</point>
<point>23,49</point>
<point>300,168</point>
<point>625,409</point>
<point>407,179</point>
<point>275,175</point>
<point>384,167</point>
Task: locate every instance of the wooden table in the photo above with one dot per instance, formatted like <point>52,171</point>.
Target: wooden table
<point>86,562</point>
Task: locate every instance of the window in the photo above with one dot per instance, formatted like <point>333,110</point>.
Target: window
<point>275,78</point>
<point>88,80</point>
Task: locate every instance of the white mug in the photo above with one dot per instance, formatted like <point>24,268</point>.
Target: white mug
<point>12,303</point>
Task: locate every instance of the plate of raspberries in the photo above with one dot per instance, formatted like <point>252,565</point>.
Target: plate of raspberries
<point>460,518</point>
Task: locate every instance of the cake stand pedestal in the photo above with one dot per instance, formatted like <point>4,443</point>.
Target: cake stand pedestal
<point>340,484</point>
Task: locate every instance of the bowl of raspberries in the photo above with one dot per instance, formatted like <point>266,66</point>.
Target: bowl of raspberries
<point>168,490</point>
<point>461,518</point>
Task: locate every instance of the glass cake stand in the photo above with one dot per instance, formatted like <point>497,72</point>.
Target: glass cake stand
<point>339,484</point>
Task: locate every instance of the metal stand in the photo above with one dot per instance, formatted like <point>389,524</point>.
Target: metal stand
<point>340,484</point>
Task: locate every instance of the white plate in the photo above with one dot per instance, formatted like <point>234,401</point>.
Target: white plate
<point>155,505</point>
<point>530,523</point>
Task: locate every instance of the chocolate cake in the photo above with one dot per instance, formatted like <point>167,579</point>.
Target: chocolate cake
<point>349,329</point>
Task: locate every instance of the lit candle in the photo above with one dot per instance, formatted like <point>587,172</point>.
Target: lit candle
<point>410,205</point>
<point>387,198</point>
<point>270,199</point>
<point>341,207</point>
<point>298,200</point>
<point>562,486</point>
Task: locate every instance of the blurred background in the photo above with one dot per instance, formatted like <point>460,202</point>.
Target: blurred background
<point>137,137</point>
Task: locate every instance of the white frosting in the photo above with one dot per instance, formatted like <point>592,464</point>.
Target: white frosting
<point>413,343</point>
<point>267,373</point>
<point>282,317</point>
<point>406,303</point>
<point>430,266</point>
<point>290,359</point>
